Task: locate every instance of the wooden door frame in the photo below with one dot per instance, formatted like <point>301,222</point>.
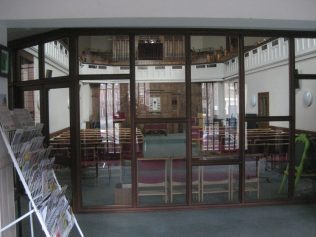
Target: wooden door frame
<point>262,95</point>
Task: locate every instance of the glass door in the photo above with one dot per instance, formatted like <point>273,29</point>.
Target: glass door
<point>105,142</point>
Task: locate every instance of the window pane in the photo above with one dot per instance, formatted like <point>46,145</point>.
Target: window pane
<point>304,47</point>
<point>57,58</point>
<point>266,160</point>
<point>160,100</point>
<point>214,95</point>
<point>32,104</point>
<point>4,93</point>
<point>160,76</point>
<point>59,134</point>
<point>105,141</point>
<point>161,164</point>
<point>28,59</point>
<point>160,50</point>
<point>266,77</point>
<point>305,109</point>
<point>104,54</point>
<point>215,114</point>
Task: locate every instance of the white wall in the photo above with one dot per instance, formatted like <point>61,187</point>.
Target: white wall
<point>58,109</point>
<point>85,104</point>
<point>305,116</point>
<point>290,14</point>
<point>7,209</point>
<point>276,82</point>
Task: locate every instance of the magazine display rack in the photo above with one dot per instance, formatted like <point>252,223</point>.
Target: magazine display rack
<point>34,166</point>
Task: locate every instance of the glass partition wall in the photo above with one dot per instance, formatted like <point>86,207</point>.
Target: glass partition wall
<point>305,130</point>
<point>215,119</point>
<point>160,98</point>
<point>169,119</point>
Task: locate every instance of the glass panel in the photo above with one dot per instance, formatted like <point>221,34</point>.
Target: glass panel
<point>57,58</point>
<point>4,93</point>
<point>305,165</point>
<point>33,105</point>
<point>266,161</point>
<point>215,114</point>
<point>214,94</point>
<point>105,142</point>
<point>28,59</point>
<point>104,54</point>
<point>162,159</point>
<point>266,77</point>
<point>160,76</point>
<point>215,184</point>
<point>213,49</point>
<point>59,134</point>
<point>160,50</point>
<point>305,118</point>
<point>160,100</point>
<point>303,47</point>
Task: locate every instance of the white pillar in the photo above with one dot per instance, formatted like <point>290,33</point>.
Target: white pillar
<point>7,206</point>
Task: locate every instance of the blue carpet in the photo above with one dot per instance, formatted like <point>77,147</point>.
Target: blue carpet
<point>269,221</point>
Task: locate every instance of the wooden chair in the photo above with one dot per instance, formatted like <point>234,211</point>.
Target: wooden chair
<point>152,178</point>
<point>178,179</point>
<point>89,158</point>
<point>215,179</point>
<point>252,176</point>
<point>62,156</point>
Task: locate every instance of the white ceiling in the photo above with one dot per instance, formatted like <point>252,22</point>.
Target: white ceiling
<point>38,16</point>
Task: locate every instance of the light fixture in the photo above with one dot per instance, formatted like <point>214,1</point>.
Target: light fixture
<point>254,100</point>
<point>307,98</point>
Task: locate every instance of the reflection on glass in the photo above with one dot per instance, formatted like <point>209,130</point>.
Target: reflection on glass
<point>304,46</point>
<point>162,159</point>
<point>160,100</point>
<point>159,49</point>
<point>305,116</point>
<point>215,113</point>
<point>160,76</point>
<point>214,96</point>
<point>32,104</point>
<point>57,58</point>
<point>218,184</point>
<point>28,59</point>
<point>305,168</point>
<point>305,94</point>
<point>266,77</point>
<point>266,159</point>
<point>59,134</point>
<point>103,54</point>
<point>105,143</point>
<point>213,49</point>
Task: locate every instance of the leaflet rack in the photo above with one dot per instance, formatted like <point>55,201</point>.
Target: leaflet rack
<point>34,166</point>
